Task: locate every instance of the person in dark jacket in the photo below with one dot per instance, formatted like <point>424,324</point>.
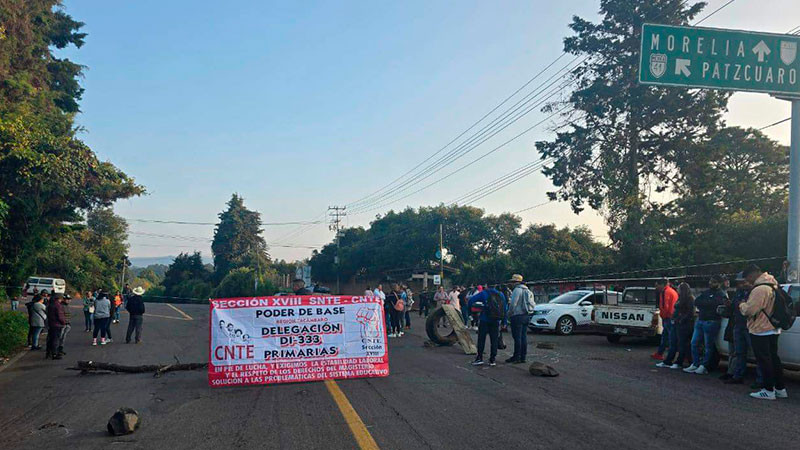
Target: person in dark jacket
<point>135,307</point>
<point>394,314</point>
<point>67,324</point>
<point>55,323</point>
<point>487,325</point>
<point>707,326</point>
<point>682,326</point>
<point>739,341</point>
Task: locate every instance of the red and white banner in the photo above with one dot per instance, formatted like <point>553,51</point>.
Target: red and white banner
<point>269,340</point>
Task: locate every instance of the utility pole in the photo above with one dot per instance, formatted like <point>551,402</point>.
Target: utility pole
<point>441,255</point>
<point>336,213</point>
<point>793,251</point>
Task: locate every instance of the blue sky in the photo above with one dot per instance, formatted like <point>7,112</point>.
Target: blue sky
<point>301,105</point>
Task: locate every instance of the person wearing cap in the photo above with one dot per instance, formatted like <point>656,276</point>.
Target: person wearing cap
<point>520,309</point>
<point>707,326</point>
<point>299,287</point>
<point>135,308</point>
<point>55,323</point>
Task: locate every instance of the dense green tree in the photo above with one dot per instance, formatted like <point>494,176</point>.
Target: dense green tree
<point>88,256</point>
<point>244,282</point>
<point>47,174</point>
<point>237,239</point>
<point>625,140</point>
<point>188,277</point>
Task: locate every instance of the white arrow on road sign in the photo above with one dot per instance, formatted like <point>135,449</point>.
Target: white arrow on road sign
<point>682,67</point>
<point>761,49</point>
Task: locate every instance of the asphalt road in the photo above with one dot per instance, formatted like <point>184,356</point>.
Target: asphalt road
<point>608,396</point>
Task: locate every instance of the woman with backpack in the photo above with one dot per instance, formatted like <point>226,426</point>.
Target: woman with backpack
<point>396,308</point>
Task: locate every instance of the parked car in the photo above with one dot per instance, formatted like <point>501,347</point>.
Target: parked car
<point>635,315</point>
<point>788,343</point>
<point>45,285</point>
<point>570,311</point>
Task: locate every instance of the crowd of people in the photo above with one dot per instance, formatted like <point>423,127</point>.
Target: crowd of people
<point>50,314</point>
<point>691,326</point>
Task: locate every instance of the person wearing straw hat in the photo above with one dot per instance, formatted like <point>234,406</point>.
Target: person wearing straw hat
<point>520,310</point>
<point>135,307</point>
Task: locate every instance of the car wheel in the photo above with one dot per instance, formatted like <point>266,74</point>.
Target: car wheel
<point>613,338</point>
<point>565,326</point>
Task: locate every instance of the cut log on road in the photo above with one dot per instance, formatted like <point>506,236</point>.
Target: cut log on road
<point>157,369</point>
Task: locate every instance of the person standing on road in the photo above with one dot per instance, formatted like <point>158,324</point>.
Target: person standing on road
<point>67,325</point>
<point>520,310</point>
<point>369,293</point>
<point>37,319</point>
<point>88,312</point>
<point>424,301</point>
<point>440,298</point>
<point>667,296</point>
<point>299,287</point>
<point>408,305</point>
<point>758,308</point>
<point>682,328</point>
<point>102,314</point>
<point>15,302</point>
<point>117,306</point>
<point>135,307</point>
<point>706,329</point>
<point>392,301</point>
<point>55,323</point>
<point>463,302</point>
<point>740,338</point>
<point>489,323</point>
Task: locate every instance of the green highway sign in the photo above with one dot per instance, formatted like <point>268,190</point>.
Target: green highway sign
<point>715,58</point>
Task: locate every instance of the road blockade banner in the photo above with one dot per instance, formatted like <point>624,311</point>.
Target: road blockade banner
<point>268,340</point>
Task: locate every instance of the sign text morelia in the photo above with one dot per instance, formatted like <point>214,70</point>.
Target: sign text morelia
<point>720,59</point>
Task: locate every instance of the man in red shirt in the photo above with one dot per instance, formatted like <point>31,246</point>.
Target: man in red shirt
<point>667,297</point>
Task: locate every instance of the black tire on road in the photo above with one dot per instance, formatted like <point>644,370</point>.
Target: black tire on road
<point>613,338</point>
<point>433,331</point>
<point>565,326</point>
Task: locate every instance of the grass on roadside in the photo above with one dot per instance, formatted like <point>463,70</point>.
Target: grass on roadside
<point>13,332</point>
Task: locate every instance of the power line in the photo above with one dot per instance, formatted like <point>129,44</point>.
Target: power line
<point>507,119</point>
<point>401,177</point>
<point>775,124</point>
<point>712,13</point>
<point>470,163</point>
<point>180,222</point>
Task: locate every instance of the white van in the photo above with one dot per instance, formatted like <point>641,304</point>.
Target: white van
<point>45,285</point>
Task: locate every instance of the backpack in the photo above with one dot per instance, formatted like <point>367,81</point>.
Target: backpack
<point>494,306</point>
<point>783,311</point>
<point>527,301</point>
<point>399,305</point>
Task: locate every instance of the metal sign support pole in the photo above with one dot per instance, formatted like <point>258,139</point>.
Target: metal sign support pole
<point>793,250</point>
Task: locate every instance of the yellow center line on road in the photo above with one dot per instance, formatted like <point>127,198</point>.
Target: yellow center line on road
<point>357,427</point>
<point>188,317</point>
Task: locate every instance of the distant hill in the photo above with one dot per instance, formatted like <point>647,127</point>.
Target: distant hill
<point>146,261</point>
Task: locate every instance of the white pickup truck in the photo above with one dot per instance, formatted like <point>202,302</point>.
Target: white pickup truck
<point>635,315</point>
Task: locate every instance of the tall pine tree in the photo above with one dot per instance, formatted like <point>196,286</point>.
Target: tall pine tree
<point>626,140</point>
<point>237,240</point>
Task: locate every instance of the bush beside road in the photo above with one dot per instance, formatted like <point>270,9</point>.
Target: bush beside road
<point>13,332</point>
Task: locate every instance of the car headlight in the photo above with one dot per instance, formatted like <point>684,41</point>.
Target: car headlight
<point>542,312</point>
